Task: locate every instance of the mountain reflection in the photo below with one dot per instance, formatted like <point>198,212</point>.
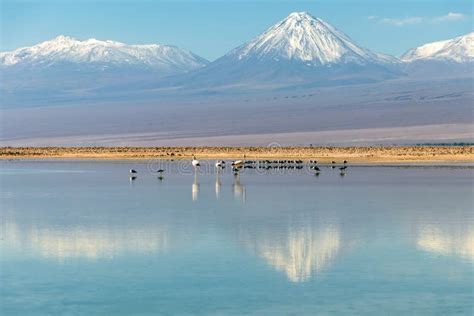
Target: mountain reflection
<point>303,251</point>
<point>85,242</point>
<point>458,241</point>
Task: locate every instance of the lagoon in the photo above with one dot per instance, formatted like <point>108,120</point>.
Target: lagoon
<point>81,237</point>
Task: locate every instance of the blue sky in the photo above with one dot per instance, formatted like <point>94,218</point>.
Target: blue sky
<point>211,28</point>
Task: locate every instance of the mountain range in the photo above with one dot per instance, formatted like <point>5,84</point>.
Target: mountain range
<point>299,51</point>
<point>64,51</point>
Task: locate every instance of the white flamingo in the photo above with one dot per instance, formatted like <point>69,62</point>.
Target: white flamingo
<point>195,162</point>
<point>238,163</point>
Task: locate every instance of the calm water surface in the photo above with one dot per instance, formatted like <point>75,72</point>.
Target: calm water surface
<point>82,238</point>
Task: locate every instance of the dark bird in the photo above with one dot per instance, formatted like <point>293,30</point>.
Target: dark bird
<point>160,171</point>
<point>343,168</point>
<point>133,171</point>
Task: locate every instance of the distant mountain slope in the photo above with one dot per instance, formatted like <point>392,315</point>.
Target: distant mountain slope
<point>459,49</point>
<point>298,50</point>
<point>63,50</point>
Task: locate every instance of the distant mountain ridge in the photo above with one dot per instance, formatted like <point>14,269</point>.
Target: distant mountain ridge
<point>459,49</point>
<point>67,50</point>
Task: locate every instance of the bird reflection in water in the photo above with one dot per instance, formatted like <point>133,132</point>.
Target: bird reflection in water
<point>195,187</point>
<point>218,183</point>
<point>239,189</point>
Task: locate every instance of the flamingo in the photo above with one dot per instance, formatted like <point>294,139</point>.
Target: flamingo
<point>238,163</point>
<point>195,162</point>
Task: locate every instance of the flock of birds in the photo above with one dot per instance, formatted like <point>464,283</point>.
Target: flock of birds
<point>238,165</point>
<point>273,164</point>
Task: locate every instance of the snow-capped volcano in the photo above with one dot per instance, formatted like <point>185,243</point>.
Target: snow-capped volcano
<point>301,37</point>
<point>66,50</point>
<point>459,49</point>
<point>299,50</point>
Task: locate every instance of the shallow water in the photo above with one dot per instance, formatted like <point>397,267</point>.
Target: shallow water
<point>82,238</point>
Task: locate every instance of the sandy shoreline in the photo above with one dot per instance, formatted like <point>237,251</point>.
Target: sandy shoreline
<point>392,154</point>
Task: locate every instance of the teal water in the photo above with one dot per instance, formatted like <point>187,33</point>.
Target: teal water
<point>81,238</point>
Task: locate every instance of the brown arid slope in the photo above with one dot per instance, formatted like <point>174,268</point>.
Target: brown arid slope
<point>392,154</point>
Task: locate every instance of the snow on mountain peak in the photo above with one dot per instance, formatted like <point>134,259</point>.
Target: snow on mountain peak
<point>63,38</point>
<point>70,50</point>
<point>459,49</point>
<point>304,38</point>
<point>299,16</point>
